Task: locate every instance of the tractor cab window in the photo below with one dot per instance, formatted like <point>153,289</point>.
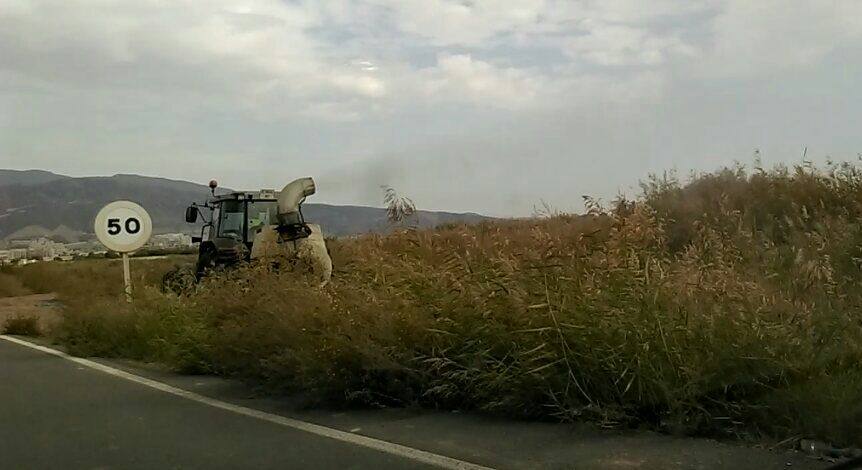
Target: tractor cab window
<point>260,213</point>
<point>231,219</point>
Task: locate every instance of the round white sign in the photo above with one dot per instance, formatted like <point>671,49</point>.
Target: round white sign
<point>123,226</point>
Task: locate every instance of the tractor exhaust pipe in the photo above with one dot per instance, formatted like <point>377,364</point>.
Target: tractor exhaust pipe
<point>290,199</point>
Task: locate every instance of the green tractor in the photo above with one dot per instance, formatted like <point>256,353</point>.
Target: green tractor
<point>247,226</point>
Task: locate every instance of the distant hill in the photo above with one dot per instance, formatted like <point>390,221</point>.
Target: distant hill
<point>347,220</point>
<point>60,234</point>
<point>40,203</point>
<point>27,177</point>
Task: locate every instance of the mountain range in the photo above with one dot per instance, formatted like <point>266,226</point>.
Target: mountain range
<point>40,203</point>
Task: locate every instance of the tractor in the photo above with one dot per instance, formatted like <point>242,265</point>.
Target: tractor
<point>252,226</point>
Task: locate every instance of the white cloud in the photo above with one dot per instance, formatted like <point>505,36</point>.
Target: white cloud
<point>84,81</point>
<point>260,54</point>
<point>755,37</point>
<point>633,12</point>
<point>460,78</point>
<point>455,22</point>
<point>267,57</point>
<point>609,44</point>
<point>232,51</point>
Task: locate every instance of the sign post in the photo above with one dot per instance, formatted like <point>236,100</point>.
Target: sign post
<point>124,227</point>
<point>127,277</point>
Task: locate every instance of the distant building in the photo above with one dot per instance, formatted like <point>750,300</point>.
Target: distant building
<point>170,240</point>
<point>82,248</point>
<point>25,251</point>
<point>45,249</point>
<point>12,255</point>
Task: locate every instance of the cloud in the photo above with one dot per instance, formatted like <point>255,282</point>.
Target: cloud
<point>452,22</point>
<point>237,53</point>
<point>609,44</point>
<point>275,60</point>
<point>348,58</point>
<point>460,78</point>
<point>753,38</point>
<point>309,86</point>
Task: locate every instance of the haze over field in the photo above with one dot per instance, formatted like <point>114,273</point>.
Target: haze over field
<point>467,106</point>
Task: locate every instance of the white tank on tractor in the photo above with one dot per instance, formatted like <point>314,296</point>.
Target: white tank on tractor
<point>291,236</point>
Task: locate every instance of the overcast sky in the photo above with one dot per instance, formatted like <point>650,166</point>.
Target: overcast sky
<point>487,106</point>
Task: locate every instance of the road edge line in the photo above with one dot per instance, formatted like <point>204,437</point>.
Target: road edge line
<point>392,448</point>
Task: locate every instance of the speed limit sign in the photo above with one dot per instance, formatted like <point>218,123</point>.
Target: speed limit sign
<point>124,226</point>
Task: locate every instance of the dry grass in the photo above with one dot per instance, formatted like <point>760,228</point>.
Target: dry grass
<point>11,286</point>
<point>729,304</point>
<point>25,326</point>
<point>87,280</point>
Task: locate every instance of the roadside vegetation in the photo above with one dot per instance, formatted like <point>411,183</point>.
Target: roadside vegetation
<point>21,325</point>
<point>11,286</point>
<point>728,304</point>
<point>85,280</point>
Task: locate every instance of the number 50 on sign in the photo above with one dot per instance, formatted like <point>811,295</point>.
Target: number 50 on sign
<point>123,226</point>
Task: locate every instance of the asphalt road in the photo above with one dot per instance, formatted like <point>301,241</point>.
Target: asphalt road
<point>55,414</point>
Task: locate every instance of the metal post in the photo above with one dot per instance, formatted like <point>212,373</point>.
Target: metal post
<point>127,277</point>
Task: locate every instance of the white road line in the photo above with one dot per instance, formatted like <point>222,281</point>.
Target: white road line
<point>355,439</point>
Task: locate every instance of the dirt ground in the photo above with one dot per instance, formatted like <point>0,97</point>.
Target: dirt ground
<point>42,306</point>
